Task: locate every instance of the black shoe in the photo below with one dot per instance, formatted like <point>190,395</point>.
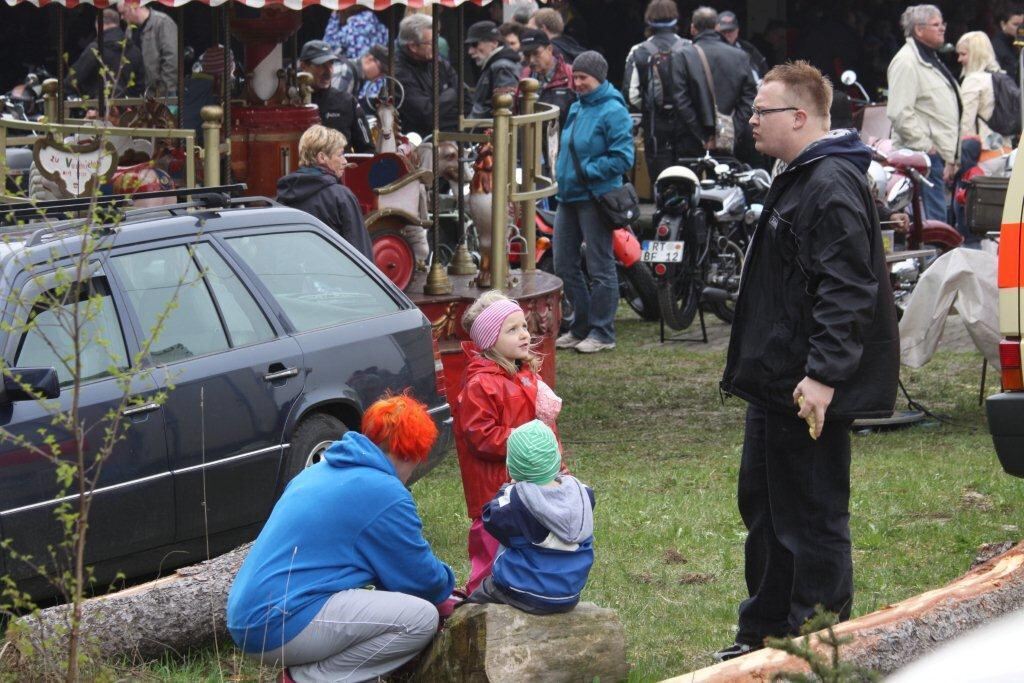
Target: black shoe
<point>733,651</point>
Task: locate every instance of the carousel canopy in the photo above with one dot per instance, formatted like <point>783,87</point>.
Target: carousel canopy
<point>291,4</point>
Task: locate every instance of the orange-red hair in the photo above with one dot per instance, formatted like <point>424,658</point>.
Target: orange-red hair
<point>400,425</point>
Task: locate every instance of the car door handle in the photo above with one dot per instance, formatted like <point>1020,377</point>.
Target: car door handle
<point>281,374</point>
<point>139,410</point>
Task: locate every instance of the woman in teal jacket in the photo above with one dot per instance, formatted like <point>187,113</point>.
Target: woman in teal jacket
<point>600,131</point>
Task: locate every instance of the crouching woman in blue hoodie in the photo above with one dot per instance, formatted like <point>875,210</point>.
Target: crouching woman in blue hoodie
<point>340,584</point>
<point>545,524</point>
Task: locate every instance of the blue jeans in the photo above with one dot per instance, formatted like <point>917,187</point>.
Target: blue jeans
<point>935,197</point>
<point>594,305</point>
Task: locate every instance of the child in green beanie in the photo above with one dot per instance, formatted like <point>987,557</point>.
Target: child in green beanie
<point>545,524</point>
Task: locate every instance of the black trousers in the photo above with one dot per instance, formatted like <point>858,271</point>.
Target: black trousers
<point>666,151</point>
<point>794,496</point>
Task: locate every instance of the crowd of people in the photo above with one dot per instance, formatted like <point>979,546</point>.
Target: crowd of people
<point>814,342</point>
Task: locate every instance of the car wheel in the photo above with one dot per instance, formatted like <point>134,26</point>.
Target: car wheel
<point>311,438</point>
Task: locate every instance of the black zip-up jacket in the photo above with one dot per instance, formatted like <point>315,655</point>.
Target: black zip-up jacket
<point>340,111</point>
<point>500,72</point>
<point>318,193</point>
<point>417,110</point>
<point>815,298</point>
<point>120,57</point>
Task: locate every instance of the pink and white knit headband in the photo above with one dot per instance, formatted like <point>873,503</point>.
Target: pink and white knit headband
<point>485,329</point>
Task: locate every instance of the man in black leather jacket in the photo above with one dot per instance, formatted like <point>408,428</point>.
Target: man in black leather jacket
<point>814,339</point>
<point>413,69</point>
<point>678,117</point>
<point>121,58</point>
<point>735,87</point>
<point>338,109</point>
<point>499,66</point>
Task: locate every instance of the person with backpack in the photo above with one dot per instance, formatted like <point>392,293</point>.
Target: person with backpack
<point>990,98</point>
<point>924,102</point>
<point>665,82</point>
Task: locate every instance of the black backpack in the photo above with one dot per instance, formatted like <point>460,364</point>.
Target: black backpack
<point>654,68</point>
<point>1005,118</point>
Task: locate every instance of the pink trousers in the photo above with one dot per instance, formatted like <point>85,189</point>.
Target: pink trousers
<point>482,549</point>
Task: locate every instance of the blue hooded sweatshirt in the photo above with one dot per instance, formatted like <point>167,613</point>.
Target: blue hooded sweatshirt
<point>346,522</point>
<point>602,133</point>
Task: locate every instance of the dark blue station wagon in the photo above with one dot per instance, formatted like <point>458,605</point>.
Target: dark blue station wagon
<point>281,335</point>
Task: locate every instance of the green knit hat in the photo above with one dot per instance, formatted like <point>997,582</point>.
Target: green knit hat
<point>533,453</point>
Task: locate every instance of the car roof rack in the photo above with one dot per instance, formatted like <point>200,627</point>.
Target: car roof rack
<point>218,196</point>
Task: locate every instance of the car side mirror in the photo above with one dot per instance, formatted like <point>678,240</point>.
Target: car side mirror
<point>34,382</point>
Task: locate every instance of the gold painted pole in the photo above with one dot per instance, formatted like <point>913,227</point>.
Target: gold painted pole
<point>504,157</point>
<point>437,277</point>
<point>531,93</point>
<point>211,115</point>
<point>50,100</point>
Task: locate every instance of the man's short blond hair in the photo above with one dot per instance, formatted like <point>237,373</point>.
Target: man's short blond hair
<point>319,139</point>
<point>805,84</point>
<point>549,20</point>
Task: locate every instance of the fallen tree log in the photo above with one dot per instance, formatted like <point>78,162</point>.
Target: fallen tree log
<point>173,614</point>
<point>894,636</point>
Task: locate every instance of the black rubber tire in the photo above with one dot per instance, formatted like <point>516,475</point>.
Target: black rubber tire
<point>640,290</point>
<point>678,300</point>
<point>310,439</point>
<point>726,310</point>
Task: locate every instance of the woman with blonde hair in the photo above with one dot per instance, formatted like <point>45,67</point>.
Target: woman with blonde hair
<point>316,187</point>
<point>975,54</point>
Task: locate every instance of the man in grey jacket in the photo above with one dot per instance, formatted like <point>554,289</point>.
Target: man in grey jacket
<point>157,36</point>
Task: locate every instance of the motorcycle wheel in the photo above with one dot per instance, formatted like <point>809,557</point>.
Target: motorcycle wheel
<point>640,290</point>
<point>726,310</point>
<point>678,299</point>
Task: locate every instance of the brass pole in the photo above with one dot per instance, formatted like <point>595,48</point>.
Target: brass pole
<point>212,116</point>
<point>462,262</point>
<point>101,96</point>
<point>58,112</point>
<point>50,105</point>
<point>179,20</point>
<point>437,278</point>
<point>225,92</point>
<point>504,157</point>
<point>531,93</point>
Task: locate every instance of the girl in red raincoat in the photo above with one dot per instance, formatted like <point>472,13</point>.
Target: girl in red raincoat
<point>501,390</point>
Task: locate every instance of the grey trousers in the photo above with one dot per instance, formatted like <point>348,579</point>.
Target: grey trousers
<point>358,635</point>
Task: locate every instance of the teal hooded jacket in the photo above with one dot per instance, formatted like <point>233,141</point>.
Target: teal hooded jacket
<point>602,132</point>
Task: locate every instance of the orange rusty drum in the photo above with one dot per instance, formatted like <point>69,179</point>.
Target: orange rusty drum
<point>265,144</point>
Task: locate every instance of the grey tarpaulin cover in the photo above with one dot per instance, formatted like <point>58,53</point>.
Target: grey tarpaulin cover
<point>965,278</point>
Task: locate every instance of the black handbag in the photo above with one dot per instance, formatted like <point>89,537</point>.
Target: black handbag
<point>620,207</point>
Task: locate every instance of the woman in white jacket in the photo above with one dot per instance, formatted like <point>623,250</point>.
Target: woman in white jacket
<point>974,52</point>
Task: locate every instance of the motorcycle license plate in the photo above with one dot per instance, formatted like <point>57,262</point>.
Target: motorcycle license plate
<point>662,252</point>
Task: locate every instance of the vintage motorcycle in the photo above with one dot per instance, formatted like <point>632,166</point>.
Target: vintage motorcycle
<point>702,229</point>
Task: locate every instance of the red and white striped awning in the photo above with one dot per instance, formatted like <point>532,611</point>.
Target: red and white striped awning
<point>290,4</point>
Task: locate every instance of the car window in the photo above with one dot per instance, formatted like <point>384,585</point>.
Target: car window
<point>243,318</point>
<point>314,282</point>
<point>49,342</point>
<point>167,281</point>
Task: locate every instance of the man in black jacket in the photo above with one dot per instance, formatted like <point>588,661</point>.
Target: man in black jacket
<point>814,339</point>
<point>414,70</point>
<point>499,66</point>
<point>128,76</point>
<point>665,81</point>
<point>338,109</point>
<point>551,22</point>
<point>730,68</point>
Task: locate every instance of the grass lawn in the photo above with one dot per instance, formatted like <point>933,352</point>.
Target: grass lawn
<point>644,425</point>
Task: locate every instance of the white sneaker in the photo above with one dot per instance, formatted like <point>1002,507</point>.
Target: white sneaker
<point>567,341</point>
<point>591,345</point>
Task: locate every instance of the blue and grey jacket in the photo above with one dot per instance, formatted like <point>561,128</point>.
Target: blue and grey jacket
<point>547,542</point>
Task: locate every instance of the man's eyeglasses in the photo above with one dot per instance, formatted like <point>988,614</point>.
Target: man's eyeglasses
<point>940,24</point>
<point>758,113</point>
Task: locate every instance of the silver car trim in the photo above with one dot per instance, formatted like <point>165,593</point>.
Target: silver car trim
<point>138,410</point>
<point>133,482</point>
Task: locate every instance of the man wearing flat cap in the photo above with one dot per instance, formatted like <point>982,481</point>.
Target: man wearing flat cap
<point>729,27</point>
<point>499,66</point>
<point>338,109</point>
